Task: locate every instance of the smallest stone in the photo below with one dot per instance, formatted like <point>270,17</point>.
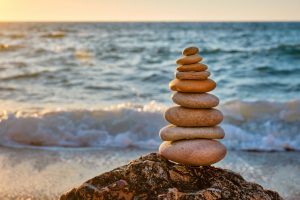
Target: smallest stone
<point>190,51</point>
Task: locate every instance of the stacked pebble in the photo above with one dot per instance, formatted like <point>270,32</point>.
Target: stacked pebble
<point>191,137</point>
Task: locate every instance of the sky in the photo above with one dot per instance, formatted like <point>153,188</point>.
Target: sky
<point>149,10</point>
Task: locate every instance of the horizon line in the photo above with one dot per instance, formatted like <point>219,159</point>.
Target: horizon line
<point>146,21</point>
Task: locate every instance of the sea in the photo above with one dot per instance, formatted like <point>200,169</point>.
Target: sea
<point>71,88</point>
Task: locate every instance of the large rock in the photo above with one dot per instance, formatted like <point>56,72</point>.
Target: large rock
<point>153,177</point>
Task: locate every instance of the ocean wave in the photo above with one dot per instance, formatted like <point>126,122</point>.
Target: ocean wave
<point>7,47</point>
<point>84,55</point>
<point>119,126</point>
<point>41,51</point>
<point>54,35</point>
<point>289,49</point>
<point>292,49</point>
<point>155,77</point>
<point>13,64</point>
<point>109,88</point>
<point>274,71</point>
<point>16,35</point>
<point>8,89</point>
<point>23,76</point>
<point>261,126</point>
<point>221,50</point>
<point>13,35</point>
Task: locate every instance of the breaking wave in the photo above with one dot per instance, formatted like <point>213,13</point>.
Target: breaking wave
<point>259,126</point>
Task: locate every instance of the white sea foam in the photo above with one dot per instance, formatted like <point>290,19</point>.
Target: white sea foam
<point>257,125</point>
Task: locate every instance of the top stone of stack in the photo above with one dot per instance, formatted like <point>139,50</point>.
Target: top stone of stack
<point>190,56</point>
<point>190,51</point>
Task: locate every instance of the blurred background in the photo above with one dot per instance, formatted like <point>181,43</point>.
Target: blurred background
<point>84,84</point>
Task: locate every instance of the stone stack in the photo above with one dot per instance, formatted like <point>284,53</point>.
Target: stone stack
<point>191,139</point>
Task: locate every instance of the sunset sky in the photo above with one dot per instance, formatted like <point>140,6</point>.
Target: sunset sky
<point>149,10</point>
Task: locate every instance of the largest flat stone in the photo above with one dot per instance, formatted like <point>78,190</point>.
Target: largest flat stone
<point>188,117</point>
<point>196,86</point>
<point>199,152</point>
<point>173,133</point>
<point>195,100</point>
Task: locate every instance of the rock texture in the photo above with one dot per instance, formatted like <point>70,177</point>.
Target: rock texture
<point>152,177</point>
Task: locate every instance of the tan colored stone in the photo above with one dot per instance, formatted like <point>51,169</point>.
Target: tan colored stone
<point>196,86</point>
<point>190,51</point>
<point>198,152</point>
<point>197,67</point>
<point>195,100</point>
<point>193,75</point>
<point>173,133</point>
<point>188,117</point>
<point>186,60</point>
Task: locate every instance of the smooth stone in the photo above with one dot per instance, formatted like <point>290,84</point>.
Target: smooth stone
<point>193,75</point>
<point>186,60</point>
<point>195,100</point>
<point>173,133</point>
<point>192,85</point>
<point>197,67</point>
<point>188,117</point>
<point>198,152</point>
<point>190,51</point>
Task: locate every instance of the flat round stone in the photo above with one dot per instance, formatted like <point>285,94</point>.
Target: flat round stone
<point>197,67</point>
<point>195,100</point>
<point>198,152</point>
<point>188,117</point>
<point>195,86</point>
<point>193,75</point>
<point>186,60</point>
<point>190,51</point>
<point>173,133</point>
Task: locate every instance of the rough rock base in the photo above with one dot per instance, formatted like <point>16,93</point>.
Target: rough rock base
<point>154,177</point>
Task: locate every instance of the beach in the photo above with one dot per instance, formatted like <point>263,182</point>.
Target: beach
<point>46,174</point>
<point>80,99</point>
